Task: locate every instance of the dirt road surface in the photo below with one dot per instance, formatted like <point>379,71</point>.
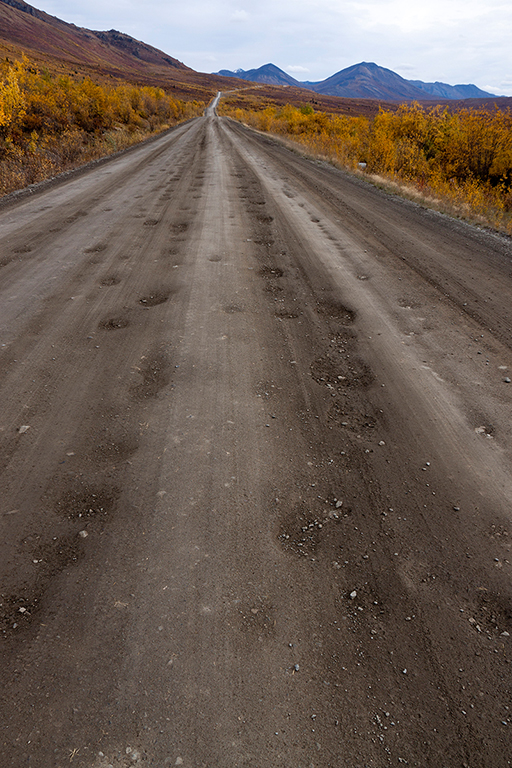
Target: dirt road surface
<point>255,471</point>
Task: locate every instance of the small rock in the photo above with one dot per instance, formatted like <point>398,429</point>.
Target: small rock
<point>507,380</point>
<point>23,429</point>
<point>23,610</point>
<point>83,534</point>
<point>296,667</point>
<point>404,671</point>
<point>382,442</point>
<point>338,504</point>
<point>353,595</point>
<point>505,634</point>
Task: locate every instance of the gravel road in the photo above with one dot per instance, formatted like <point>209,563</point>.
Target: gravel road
<point>256,450</point>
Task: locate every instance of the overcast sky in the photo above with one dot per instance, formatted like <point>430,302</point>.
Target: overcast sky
<point>454,41</point>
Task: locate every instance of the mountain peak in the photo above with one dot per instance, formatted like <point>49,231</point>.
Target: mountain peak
<point>268,73</point>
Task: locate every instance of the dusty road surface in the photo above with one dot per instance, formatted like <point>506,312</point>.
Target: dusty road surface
<point>256,487</point>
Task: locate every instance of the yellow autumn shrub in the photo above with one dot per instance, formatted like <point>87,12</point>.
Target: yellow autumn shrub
<point>52,123</point>
<point>463,157</point>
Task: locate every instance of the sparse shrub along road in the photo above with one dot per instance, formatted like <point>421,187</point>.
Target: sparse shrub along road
<point>255,488</point>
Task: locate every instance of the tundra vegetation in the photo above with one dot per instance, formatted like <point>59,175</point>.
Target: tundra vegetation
<point>460,161</point>
<point>51,123</point>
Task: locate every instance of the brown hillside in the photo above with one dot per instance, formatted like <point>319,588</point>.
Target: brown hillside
<point>51,42</point>
<point>25,26</point>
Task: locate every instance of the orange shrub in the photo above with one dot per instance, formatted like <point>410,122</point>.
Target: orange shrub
<point>49,124</point>
<point>463,157</point>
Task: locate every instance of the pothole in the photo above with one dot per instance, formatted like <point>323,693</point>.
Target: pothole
<point>154,299</point>
<point>113,324</point>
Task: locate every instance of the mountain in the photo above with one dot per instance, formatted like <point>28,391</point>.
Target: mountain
<point>444,91</point>
<point>66,48</point>
<point>28,27</point>
<point>268,73</point>
<point>369,81</point>
<point>364,81</point>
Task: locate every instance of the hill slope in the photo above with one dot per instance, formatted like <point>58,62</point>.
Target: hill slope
<point>28,27</point>
<point>49,40</point>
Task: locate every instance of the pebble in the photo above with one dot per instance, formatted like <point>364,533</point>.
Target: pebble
<point>296,667</point>
<point>24,428</point>
<point>507,380</point>
<point>353,595</point>
<point>83,534</point>
<point>381,442</point>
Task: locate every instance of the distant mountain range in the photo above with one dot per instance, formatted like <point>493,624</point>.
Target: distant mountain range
<point>363,81</point>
